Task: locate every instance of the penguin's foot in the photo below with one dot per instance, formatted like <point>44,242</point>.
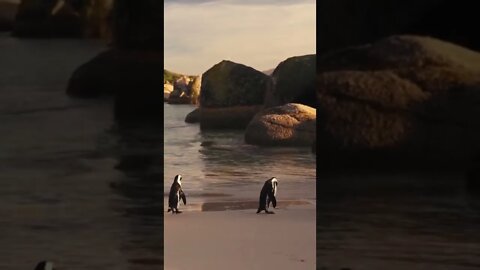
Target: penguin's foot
<point>269,212</point>
<point>179,212</point>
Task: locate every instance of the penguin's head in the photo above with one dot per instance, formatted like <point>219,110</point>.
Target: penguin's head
<point>45,265</point>
<point>178,179</point>
<point>274,185</point>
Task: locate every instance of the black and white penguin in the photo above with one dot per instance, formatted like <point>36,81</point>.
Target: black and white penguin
<point>176,193</point>
<point>45,265</point>
<point>268,194</point>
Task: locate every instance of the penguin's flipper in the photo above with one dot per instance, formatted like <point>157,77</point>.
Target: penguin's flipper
<point>274,201</point>
<point>184,198</point>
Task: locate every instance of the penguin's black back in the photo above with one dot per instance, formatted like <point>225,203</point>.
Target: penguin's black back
<point>172,198</point>
<point>41,265</point>
<point>266,190</point>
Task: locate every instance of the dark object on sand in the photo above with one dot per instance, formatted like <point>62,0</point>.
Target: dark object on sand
<point>45,265</point>
<point>268,194</point>
<point>176,193</point>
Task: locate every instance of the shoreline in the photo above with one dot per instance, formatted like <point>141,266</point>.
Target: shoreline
<point>216,206</point>
<point>242,239</point>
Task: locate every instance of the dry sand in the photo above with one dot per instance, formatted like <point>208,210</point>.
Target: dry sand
<point>241,239</point>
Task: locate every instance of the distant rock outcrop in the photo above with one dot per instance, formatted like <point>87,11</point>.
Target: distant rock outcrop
<point>167,90</point>
<point>287,125</point>
<point>231,94</point>
<point>293,82</point>
<point>401,100</point>
<point>186,90</point>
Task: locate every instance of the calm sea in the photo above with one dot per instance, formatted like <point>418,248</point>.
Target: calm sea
<point>217,166</point>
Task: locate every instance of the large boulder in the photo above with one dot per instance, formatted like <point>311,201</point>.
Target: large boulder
<point>288,125</point>
<point>293,82</point>
<point>343,23</point>
<point>47,18</point>
<point>401,101</point>
<point>132,77</point>
<point>115,71</point>
<point>231,94</point>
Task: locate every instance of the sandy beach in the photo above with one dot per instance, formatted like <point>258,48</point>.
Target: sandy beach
<point>241,239</point>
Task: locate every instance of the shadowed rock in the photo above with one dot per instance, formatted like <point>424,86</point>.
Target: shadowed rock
<point>402,100</point>
<point>117,71</point>
<point>231,94</point>
<point>293,82</point>
<point>193,116</point>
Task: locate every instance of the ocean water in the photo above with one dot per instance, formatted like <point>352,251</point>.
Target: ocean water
<point>218,167</point>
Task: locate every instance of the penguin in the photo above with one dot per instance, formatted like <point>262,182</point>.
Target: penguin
<point>176,193</point>
<point>268,194</point>
<point>45,265</point>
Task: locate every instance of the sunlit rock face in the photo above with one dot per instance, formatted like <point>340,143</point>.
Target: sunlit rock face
<point>287,125</point>
<point>401,100</point>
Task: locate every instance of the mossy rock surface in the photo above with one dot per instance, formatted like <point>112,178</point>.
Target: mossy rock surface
<point>230,84</point>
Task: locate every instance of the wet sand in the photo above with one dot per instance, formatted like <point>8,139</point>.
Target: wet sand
<point>241,239</point>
